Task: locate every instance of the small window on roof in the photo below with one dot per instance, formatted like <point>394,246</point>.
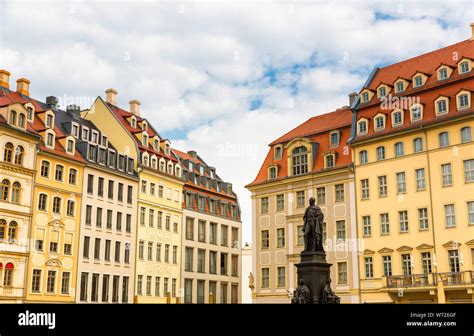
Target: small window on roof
<point>464,67</point>
<point>418,81</point>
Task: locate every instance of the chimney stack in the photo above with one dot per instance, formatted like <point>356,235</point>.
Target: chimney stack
<point>52,102</point>
<point>111,96</point>
<point>23,86</point>
<point>4,79</point>
<point>193,154</point>
<point>352,98</point>
<point>472,31</point>
<point>135,106</point>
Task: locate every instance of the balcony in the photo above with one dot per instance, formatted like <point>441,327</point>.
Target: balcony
<point>414,280</point>
<point>457,278</point>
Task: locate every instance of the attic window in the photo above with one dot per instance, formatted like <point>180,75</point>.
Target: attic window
<point>75,130</point>
<point>442,73</point>
<point>30,113</point>
<point>329,161</point>
<point>382,91</point>
<point>156,144</point>
<point>70,146</point>
<point>418,81</point>
<point>464,67</point>
<point>400,86</point>
<point>95,137</point>
<point>85,133</point>
<point>133,122</point>
<point>167,149</point>
<point>50,139</point>
<point>365,97</point>
<point>272,173</point>
<point>334,139</point>
<point>278,152</point>
<point>145,140</point>
<point>144,126</point>
<point>379,123</point>
<point>49,120</point>
<point>104,140</point>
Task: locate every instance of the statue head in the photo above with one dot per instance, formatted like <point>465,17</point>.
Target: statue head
<point>311,201</point>
<point>301,282</point>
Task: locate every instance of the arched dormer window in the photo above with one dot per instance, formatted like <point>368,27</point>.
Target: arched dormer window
<point>379,122</point>
<point>416,112</point>
<point>144,125</point>
<point>145,159</point>
<point>299,157</point>
<point>178,171</point>
<point>19,153</point>
<point>362,126</point>
<point>162,165</point>
<point>154,162</point>
<point>16,188</point>
<point>170,168</point>
<point>278,152</point>
<point>145,140</point>
<point>442,105</point>
<point>464,66</point>
<point>272,173</point>
<point>8,152</point>
<point>444,72</point>
<point>463,100</point>
<point>133,122</point>
<point>5,190</point>
<point>12,119</point>
<point>156,144</point>
<point>30,111</point>
<point>21,120</point>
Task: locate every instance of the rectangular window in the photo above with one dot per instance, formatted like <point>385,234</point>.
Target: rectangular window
<point>426,262</point>
<point>189,228</point>
<point>321,195</point>
<point>280,202</point>
<point>97,249</point>
<point>98,222</point>
<point>84,282</point>
<point>140,284</point>
<point>364,185</point>
<point>369,267</point>
<point>300,199</point>
<point>401,183</point>
<point>280,238</point>
<point>342,273</point>
<point>201,261</point>
<point>454,261</point>
<point>403,218</point>
<point>423,218</point>
<point>406,264</point>
<point>341,230</point>
<point>387,265</point>
<point>36,281</point>
<point>120,192</point>
<point>224,235</point>
<point>447,174</point>
<point>109,219</point>
<point>281,277</point>
<point>202,231</point>
<point>117,251</point>
<point>213,233</point>
<point>339,188</point>
<point>167,253</point>
<point>90,184</point>
<point>100,187</point>
<point>157,286</point>
<point>450,215</point>
<point>175,254</point>
<point>129,194</point>
<point>265,277</point>
<point>264,205</point>
<point>107,250</point>
<point>110,190</point>
<point>470,214</point>
<point>382,186</point>
<point>188,259</point>
<point>469,170</point>
<point>420,179</point>
<point>384,224</point>
<point>212,262</point>
<point>300,235</point>
<point>85,252</point>
<point>265,243</point>
<point>95,287</point>
<point>151,217</point>
<point>105,288</point>
<point>367,227</point>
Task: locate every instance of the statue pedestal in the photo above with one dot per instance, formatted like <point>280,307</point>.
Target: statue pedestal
<point>315,271</point>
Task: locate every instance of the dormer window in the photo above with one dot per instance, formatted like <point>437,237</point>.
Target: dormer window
<point>299,161</point>
<point>365,97</point>
<point>50,139</point>
<point>133,122</point>
<point>382,91</point>
<point>92,153</point>
<point>154,162</point>
<point>104,140</point>
<point>397,118</point>
<point>49,120</point>
<point>70,146</point>
<point>144,126</point>
<point>112,158</point>
<point>95,137</point>
<point>464,67</point>
<point>156,144</point>
<point>334,138</point>
<point>74,130</point>
<point>443,73</point>
<point>21,120</point>
<point>272,173</point>
<point>416,112</point>
<point>362,126</point>
<point>418,81</point>
<point>101,156</point>
<point>170,168</point>
<point>145,160</point>
<point>463,100</point>
<point>190,166</point>
<point>162,165</point>
<point>201,170</point>
<point>30,111</point>
<point>441,105</point>
<point>329,161</point>
<point>130,166</point>
<point>379,123</point>
<point>278,152</point>
<point>121,162</point>
<point>85,133</point>
<point>400,86</point>
<point>145,140</point>
<point>178,172</point>
<point>167,149</point>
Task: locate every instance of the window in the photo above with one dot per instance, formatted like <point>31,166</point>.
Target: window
<point>84,281</point>
<point>406,264</point>
<point>470,212</point>
<point>399,149</point>
<point>300,199</point>
<point>426,262</point>
<point>140,284</point>
<point>339,188</point>
<point>382,91</point>
<point>16,188</point>
<point>120,192</point>
<point>71,206</point>
<point>90,184</point>
<point>273,173</point>
<point>382,186</point>
<point>50,140</point>
<point>417,145</point>
<point>362,127</point>
<point>51,282</point>
<point>110,190</point>
<point>379,123</point>
<point>12,228</point>
<point>141,247</point>
<point>334,139</point>
<point>367,226</point>
<point>142,216</point>
<point>49,120</point>
<point>280,202</point>
<point>117,251</point>
<point>13,115</point>
<point>265,240</point>
<point>416,112</point>
<point>21,120</point>
<point>423,218</point>
<point>363,157</point>
<point>365,193</point>
<point>278,152</point>
<point>70,146</point>
<point>300,235</point>
<point>224,235</point>
<point>151,217</point>
<point>441,106</point>
<point>418,81</point>
<point>342,273</point>
<point>397,118</point>
<point>56,205</point>
<point>341,230</point>
<point>329,160</point>
<point>119,222</point>
<point>129,194</point>
<point>19,154</point>
<point>265,277</point>
<point>36,281</point>
<point>463,101</point>
<point>400,86</point>
<point>88,215</point>
<point>300,160</point>
<point>97,249</point>
<point>442,73</point>
<point>446,174</point>
<point>380,153</point>
<point>369,267</point>
<point>466,135</point>
<point>384,224</point>
<point>464,67</point>
<point>281,281</point>
<point>321,195</point>
<point>150,251</point>
<point>188,259</point>
<point>100,187</point>
<point>45,169</point>
<point>213,233</point>
<point>72,176</point>
<point>98,222</point>
<point>420,179</point>
<point>403,219</point>
<point>212,262</point>
<point>365,97</point>
<point>167,253</point>
<point>387,265</point>
<point>469,170</point>
<point>4,191</point>
<point>189,228</point>
<point>280,238</point>
<point>401,183</point>
<point>85,252</point>
<point>264,205</point>
<point>450,215</point>
<point>443,139</point>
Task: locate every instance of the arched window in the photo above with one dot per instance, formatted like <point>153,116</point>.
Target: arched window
<point>399,149</point>
<point>12,228</point>
<point>13,118</point>
<point>16,188</point>
<point>21,120</point>
<point>3,227</point>
<point>145,160</point>
<point>443,139</point>
<point>19,152</point>
<point>300,160</point>
<point>178,171</point>
<point>5,190</point>
<point>466,135</point>
<point>44,169</point>
<point>418,145</point>
<point>170,168</point>
<point>162,166</point>
<point>8,276</point>
<point>363,157</point>
<point>381,153</point>
<point>8,152</point>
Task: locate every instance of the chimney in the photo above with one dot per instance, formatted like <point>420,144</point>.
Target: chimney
<point>472,31</point>
<point>23,86</point>
<point>135,106</point>
<point>111,96</point>
<point>352,98</point>
<point>52,102</point>
<point>5,79</point>
<point>193,154</point>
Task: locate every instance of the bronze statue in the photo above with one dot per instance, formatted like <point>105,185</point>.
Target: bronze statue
<point>328,296</point>
<point>301,294</point>
<point>313,227</point>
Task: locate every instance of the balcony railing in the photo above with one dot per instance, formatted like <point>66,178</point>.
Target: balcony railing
<point>426,280</point>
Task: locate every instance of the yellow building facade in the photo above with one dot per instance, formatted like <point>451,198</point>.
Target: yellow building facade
<point>414,172</point>
<point>159,204</point>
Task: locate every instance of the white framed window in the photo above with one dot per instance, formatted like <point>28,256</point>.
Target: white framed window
<point>334,138</point>
<point>85,133</point>
<point>397,118</point>
<point>403,219</point>
<point>464,67</point>
<point>468,170</point>
<point>400,86</point>
<point>463,101</point>
<point>379,123</point>
<point>447,175</point>
<point>380,153</point>
<point>367,226</point>
<point>418,81</point>
<point>384,224</point>
<point>423,218</point>
<point>442,73</point>
<point>416,112</point>
<point>399,149</point>
<point>441,106</point>
<point>401,183</point>
<point>443,139</point>
<point>364,187</point>
<point>362,126</point>
<point>420,179</point>
<point>450,217</point>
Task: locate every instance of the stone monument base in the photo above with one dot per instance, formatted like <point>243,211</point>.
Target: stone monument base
<point>315,271</point>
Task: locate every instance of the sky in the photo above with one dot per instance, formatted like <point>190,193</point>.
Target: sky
<point>224,78</point>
